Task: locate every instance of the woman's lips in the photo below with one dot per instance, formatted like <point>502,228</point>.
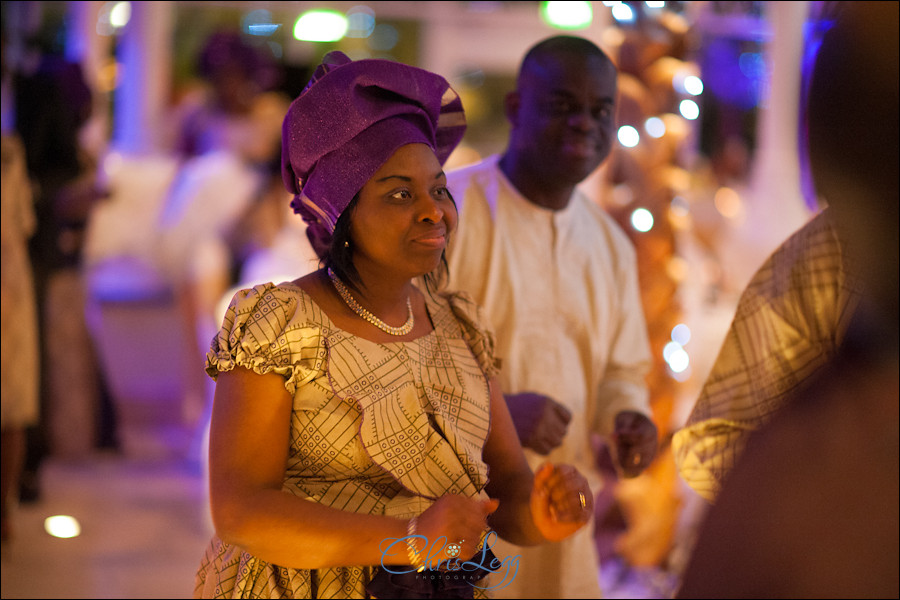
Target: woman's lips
<point>437,239</point>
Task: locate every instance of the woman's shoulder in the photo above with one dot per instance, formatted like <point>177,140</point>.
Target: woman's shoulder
<point>270,327</point>
<point>275,307</point>
<point>457,301</point>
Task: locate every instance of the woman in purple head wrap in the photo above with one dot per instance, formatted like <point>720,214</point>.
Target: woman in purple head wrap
<point>357,416</point>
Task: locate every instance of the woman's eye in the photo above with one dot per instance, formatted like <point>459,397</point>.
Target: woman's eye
<point>401,195</point>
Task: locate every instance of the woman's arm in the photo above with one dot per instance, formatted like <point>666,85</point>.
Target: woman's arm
<point>534,508</point>
<point>249,439</point>
<point>511,479</point>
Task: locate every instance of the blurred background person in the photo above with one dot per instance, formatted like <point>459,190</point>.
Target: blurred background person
<point>52,105</point>
<point>20,330</point>
<point>20,344</point>
<point>229,147</point>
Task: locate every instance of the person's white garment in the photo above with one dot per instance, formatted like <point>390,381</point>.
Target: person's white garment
<point>291,256</point>
<point>560,289</point>
<point>204,204</point>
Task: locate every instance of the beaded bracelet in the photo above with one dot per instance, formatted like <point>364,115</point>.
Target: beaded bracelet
<point>411,545</point>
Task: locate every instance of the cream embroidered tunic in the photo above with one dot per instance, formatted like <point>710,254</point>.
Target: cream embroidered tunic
<point>560,290</point>
<point>376,428</point>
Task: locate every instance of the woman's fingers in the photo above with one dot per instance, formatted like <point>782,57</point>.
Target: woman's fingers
<point>568,496</point>
<point>453,526</point>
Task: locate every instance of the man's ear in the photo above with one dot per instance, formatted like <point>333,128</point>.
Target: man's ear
<point>511,105</point>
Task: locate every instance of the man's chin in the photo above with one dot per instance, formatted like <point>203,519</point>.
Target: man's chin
<point>574,173</point>
<point>580,165</point>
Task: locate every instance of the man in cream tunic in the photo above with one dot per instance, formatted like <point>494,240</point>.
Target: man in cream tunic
<point>559,283</point>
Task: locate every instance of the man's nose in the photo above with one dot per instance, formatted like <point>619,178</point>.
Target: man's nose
<point>582,119</point>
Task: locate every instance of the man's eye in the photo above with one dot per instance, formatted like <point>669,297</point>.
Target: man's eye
<point>560,107</point>
<point>603,112</point>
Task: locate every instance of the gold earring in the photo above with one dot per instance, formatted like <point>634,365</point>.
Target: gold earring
<point>346,244</point>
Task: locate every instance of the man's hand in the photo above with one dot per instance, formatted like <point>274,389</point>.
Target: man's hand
<point>540,421</point>
<point>634,442</point>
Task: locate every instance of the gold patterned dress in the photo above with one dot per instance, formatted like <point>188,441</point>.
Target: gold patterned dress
<point>376,428</point>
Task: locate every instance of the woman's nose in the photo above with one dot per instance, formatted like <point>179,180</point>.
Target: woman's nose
<point>430,210</point>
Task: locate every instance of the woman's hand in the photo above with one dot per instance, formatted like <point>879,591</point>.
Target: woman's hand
<point>454,520</point>
<point>561,501</point>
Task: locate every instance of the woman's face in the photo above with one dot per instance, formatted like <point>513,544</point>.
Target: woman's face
<point>404,216</point>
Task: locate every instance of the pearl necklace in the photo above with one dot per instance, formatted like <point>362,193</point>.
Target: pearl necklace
<point>362,312</point>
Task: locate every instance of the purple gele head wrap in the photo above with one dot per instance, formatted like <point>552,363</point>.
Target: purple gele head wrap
<point>348,121</point>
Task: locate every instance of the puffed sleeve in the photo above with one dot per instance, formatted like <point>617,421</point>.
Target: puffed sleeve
<point>476,330</point>
<point>266,329</point>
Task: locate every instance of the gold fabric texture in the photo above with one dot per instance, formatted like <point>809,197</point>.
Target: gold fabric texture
<point>789,322</point>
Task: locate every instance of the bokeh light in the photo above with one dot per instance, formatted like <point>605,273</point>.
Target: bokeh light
<point>655,127</point>
<point>567,15</point>
<point>680,213</point>
<point>112,17</point>
<point>259,22</point>
<point>629,136</point>
<point>320,26</point>
<point>689,109</point>
<point>622,13</point>
<point>642,220</point>
<point>384,37</point>
<point>728,202</point>
<point>681,334</point>
<point>677,269</point>
<point>693,85</point>
<point>62,526</point>
<point>676,357</point>
<point>360,22</point>
<point>120,14</point>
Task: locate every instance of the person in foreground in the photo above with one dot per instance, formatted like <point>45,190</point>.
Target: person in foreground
<point>358,432</point>
<point>558,279</point>
<point>811,508</point>
<point>789,323</point>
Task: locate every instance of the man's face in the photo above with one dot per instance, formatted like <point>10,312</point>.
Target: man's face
<point>563,117</point>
